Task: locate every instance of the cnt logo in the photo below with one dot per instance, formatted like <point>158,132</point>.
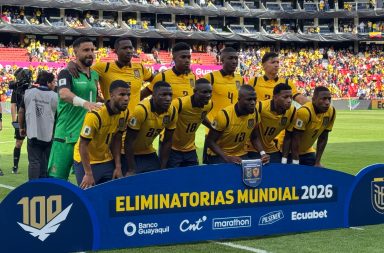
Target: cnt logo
<point>42,215</point>
<point>186,225</point>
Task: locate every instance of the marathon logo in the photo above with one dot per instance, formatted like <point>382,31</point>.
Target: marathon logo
<point>314,215</point>
<point>270,218</point>
<point>231,222</point>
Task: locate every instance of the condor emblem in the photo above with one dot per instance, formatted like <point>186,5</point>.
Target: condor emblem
<point>136,73</point>
<point>251,123</point>
<point>377,194</point>
<point>252,172</point>
<point>325,121</point>
<point>48,217</point>
<point>166,120</point>
<point>283,121</point>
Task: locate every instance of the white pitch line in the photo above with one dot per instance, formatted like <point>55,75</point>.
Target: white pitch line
<point>7,186</point>
<point>2,142</point>
<point>356,228</point>
<point>237,246</point>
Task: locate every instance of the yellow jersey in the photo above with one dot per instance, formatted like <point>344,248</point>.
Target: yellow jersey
<point>271,124</point>
<point>312,125</point>
<point>99,127</point>
<point>264,86</point>
<point>190,117</point>
<point>182,84</point>
<point>236,130</point>
<point>225,90</point>
<point>135,75</point>
<point>149,124</point>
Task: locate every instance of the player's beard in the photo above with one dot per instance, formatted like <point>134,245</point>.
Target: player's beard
<point>87,61</point>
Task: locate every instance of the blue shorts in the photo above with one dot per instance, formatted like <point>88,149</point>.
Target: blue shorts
<point>148,162</point>
<point>182,159</point>
<point>274,157</point>
<point>102,172</point>
<point>215,159</point>
<point>308,159</point>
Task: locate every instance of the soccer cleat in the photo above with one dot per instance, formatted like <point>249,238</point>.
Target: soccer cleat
<point>15,170</point>
<point>1,173</point>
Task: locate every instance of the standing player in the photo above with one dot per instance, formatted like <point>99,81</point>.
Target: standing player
<point>180,77</point>
<point>76,97</point>
<point>192,111</point>
<point>151,116</point>
<point>123,69</point>
<point>225,85</point>
<point>313,122</point>
<point>276,115</point>
<point>264,85</point>
<point>97,152</point>
<point>231,128</point>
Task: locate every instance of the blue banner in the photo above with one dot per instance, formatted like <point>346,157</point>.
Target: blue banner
<point>186,205</point>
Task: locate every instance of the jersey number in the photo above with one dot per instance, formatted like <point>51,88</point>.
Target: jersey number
<point>230,96</point>
<point>240,137</point>
<point>269,131</point>
<point>191,127</point>
<point>153,132</point>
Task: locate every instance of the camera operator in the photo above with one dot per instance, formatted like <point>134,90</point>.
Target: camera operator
<point>36,120</point>
<point>19,86</point>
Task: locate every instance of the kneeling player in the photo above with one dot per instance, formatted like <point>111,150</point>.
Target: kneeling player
<point>231,129</point>
<point>192,111</point>
<point>276,115</point>
<point>147,121</point>
<point>97,152</point>
<point>313,122</point>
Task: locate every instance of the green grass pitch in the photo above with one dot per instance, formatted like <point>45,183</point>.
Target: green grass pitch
<point>356,141</point>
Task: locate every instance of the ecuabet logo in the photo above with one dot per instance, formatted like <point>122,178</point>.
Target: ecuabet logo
<point>42,215</point>
<point>377,194</point>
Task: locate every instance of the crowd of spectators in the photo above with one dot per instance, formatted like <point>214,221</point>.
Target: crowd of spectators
<point>345,73</point>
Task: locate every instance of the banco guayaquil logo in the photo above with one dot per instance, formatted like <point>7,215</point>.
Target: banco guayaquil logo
<point>42,215</point>
<point>377,194</point>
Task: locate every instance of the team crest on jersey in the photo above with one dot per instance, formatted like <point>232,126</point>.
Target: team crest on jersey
<point>121,124</point>
<point>251,123</point>
<point>325,121</point>
<point>136,73</point>
<point>166,120</point>
<point>203,115</point>
<point>377,195</point>
<point>238,85</point>
<point>283,121</point>
<point>192,83</point>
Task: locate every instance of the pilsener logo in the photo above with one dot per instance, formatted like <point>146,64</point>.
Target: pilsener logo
<point>270,218</point>
<point>231,222</point>
<point>42,216</point>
